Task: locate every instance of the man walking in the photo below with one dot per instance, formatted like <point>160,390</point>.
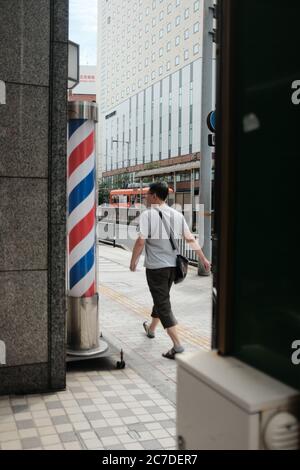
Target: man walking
<point>156,224</point>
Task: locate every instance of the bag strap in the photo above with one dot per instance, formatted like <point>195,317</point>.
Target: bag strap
<point>149,226</point>
<point>169,231</point>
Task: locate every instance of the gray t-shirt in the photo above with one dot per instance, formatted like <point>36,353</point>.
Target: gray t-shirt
<point>158,250</point>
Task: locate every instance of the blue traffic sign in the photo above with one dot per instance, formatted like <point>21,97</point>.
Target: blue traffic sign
<point>211,121</point>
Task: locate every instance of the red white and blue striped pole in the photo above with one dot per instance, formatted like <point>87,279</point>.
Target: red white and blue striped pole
<point>83,329</point>
<point>81,190</point>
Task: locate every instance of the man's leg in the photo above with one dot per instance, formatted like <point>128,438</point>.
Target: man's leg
<point>150,328</point>
<point>160,282</point>
<point>153,324</point>
<point>172,332</point>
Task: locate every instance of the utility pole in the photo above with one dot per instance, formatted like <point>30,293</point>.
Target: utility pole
<point>206,108</point>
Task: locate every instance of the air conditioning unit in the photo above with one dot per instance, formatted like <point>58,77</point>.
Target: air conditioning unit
<point>224,404</point>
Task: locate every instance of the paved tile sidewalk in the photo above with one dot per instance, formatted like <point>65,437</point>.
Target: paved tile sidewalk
<point>126,302</point>
<point>106,408</point>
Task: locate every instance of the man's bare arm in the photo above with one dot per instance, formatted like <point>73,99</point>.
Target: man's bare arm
<point>190,239</point>
<point>136,253</point>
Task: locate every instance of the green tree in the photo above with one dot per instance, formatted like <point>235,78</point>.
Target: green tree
<point>103,193</point>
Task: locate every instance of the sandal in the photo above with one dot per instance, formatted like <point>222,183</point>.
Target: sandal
<point>149,333</point>
<point>170,354</point>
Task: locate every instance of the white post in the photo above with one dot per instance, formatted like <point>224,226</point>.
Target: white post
<point>2,92</point>
<point>206,158</point>
<point>2,353</point>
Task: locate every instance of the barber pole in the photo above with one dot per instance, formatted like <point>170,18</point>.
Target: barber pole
<point>83,327</point>
<point>81,189</point>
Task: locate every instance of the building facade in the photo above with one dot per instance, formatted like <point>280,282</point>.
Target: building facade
<point>149,90</point>
<point>86,88</point>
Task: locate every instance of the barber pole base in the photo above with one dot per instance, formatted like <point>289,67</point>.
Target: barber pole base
<point>83,327</point>
<point>84,341</point>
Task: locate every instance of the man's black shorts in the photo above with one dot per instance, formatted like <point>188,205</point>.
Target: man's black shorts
<point>160,282</point>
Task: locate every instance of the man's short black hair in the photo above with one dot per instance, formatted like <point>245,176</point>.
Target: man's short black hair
<point>160,188</point>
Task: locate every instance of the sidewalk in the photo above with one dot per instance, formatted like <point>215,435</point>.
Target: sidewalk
<point>126,302</point>
<point>106,408</point>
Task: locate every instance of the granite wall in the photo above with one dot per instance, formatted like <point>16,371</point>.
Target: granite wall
<point>33,138</point>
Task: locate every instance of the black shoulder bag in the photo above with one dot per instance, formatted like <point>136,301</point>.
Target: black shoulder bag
<point>182,262</point>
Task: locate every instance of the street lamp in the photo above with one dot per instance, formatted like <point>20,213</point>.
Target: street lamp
<point>73,64</point>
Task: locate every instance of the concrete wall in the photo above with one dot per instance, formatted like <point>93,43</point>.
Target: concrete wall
<point>33,64</point>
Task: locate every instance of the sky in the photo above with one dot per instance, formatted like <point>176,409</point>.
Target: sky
<point>83,29</point>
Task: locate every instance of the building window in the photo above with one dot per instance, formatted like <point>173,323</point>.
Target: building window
<point>161,16</point>
<point>153,57</point>
<point>177,21</point>
<point>146,79</point>
<point>177,3</point>
<point>153,39</point>
<point>186,13</point>
<point>146,61</point>
<point>177,40</point>
<point>169,27</point>
<point>196,49</point>
<point>169,9</point>
<point>191,108</point>
<point>153,4</point>
<point>177,60</point>
<point>186,54</point>
<point>196,27</point>
<point>146,44</point>
<point>147,27</point>
<point>161,70</point>
<point>168,65</point>
<point>196,5</point>
<point>161,33</point>
<point>153,22</point>
<point>170,117</point>
<point>169,46</point>
<point>161,51</point>
<point>186,34</point>
<point>153,75</point>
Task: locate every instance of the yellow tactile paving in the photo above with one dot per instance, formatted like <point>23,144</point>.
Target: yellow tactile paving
<point>185,333</point>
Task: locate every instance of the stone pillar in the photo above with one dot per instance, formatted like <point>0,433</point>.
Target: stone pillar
<point>33,138</point>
